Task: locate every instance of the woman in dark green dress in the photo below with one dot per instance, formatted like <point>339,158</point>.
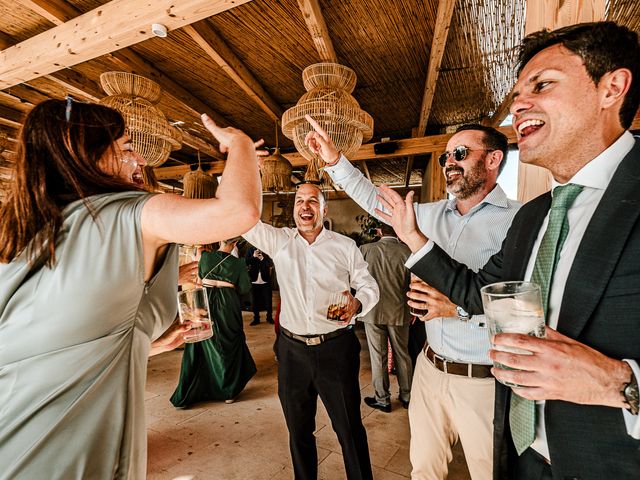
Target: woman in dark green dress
<point>220,367</point>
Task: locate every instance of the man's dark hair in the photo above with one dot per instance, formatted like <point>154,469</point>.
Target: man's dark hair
<point>602,46</point>
<point>387,230</point>
<point>492,139</point>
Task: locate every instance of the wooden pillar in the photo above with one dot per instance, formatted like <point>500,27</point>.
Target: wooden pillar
<point>434,186</point>
<point>552,14</point>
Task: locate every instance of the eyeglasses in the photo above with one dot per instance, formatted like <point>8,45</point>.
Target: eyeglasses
<point>459,154</point>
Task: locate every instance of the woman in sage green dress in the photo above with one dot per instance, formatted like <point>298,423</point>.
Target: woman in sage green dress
<point>220,367</point>
<point>88,280</point>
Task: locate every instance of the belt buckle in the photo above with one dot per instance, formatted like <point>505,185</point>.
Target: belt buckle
<point>441,359</point>
<point>313,341</point>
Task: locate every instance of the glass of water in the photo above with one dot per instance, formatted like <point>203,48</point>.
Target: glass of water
<point>513,307</point>
<point>193,307</point>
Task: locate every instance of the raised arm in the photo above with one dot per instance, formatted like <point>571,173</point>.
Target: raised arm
<point>343,173</point>
<point>236,208</point>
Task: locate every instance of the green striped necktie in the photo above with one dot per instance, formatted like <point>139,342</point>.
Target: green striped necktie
<point>522,418</point>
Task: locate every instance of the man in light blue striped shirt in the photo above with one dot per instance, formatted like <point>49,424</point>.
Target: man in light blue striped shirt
<point>453,392</point>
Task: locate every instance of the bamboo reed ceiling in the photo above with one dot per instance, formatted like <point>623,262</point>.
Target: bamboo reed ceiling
<point>19,22</point>
<point>387,44</point>
<point>626,12</point>
<point>265,47</point>
<point>480,55</point>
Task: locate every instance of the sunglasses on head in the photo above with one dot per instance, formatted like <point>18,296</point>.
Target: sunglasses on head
<point>459,154</point>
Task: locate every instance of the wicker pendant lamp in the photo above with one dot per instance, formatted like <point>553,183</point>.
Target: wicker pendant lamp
<point>328,100</point>
<point>276,171</point>
<point>198,184</point>
<point>135,98</point>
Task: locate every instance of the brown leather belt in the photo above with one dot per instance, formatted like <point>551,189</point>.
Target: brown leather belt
<point>471,370</point>
<point>316,339</point>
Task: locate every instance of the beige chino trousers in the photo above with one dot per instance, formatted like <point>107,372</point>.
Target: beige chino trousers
<point>444,408</point>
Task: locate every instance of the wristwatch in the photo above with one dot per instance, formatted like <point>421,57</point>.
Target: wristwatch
<point>463,316</point>
<point>630,393</point>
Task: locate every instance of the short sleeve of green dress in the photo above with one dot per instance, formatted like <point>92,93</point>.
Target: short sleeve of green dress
<point>74,342</point>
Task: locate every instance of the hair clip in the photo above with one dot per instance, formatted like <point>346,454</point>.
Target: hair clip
<point>67,111</point>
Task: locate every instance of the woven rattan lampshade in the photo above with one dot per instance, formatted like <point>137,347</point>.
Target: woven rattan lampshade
<point>328,100</point>
<point>276,171</point>
<point>134,97</point>
<point>198,184</point>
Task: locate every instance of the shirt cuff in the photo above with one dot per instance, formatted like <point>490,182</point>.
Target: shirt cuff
<point>632,421</point>
<point>414,257</point>
<point>367,304</point>
<point>341,170</point>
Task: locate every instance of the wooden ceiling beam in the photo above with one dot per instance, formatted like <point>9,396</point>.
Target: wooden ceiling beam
<point>318,29</point>
<point>200,145</point>
<point>26,94</point>
<point>5,41</point>
<point>501,111</point>
<point>74,83</point>
<point>216,48</point>
<point>109,27</point>
<point>440,34</point>
<point>10,117</point>
<point>366,169</point>
<point>407,146</point>
<point>128,60</point>
<point>408,170</point>
<point>11,141</point>
<point>56,11</point>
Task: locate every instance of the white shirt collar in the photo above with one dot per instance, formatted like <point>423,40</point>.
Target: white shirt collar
<point>599,171</point>
<point>495,197</point>
<point>324,233</point>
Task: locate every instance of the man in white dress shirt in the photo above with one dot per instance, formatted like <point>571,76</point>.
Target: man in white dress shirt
<point>452,394</point>
<point>317,356</point>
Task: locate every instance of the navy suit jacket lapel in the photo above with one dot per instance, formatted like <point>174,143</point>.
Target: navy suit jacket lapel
<point>601,245</point>
<point>530,220</point>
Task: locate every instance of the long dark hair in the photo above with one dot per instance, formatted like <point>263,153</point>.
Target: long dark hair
<point>59,148</point>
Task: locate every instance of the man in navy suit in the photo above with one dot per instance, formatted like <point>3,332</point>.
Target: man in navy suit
<point>575,99</point>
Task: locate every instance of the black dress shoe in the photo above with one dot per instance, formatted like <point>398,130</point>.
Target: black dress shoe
<point>270,320</point>
<point>405,403</point>
<point>373,403</point>
<point>255,322</point>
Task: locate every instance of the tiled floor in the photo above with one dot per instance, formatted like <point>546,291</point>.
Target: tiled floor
<point>248,440</point>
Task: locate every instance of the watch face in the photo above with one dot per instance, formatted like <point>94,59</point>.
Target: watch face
<point>462,314</point>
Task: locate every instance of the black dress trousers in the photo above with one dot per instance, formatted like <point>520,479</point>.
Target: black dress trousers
<point>329,370</point>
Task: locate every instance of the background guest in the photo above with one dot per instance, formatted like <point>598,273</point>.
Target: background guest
<point>218,368</point>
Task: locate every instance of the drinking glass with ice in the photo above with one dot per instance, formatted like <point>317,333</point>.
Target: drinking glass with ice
<point>513,307</point>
